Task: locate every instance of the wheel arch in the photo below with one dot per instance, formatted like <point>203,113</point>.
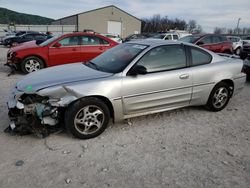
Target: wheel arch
<point>102,98</point>
<point>38,56</point>
<point>231,85</point>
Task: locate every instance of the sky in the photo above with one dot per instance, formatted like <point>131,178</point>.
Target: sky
<point>208,13</point>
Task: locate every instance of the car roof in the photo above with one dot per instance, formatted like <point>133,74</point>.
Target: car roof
<point>81,33</point>
<point>155,42</point>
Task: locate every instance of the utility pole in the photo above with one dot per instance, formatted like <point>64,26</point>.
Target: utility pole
<point>238,25</point>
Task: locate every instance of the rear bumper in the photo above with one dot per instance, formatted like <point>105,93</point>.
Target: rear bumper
<point>239,83</point>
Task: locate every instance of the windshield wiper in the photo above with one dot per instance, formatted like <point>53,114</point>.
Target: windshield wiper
<point>93,65</point>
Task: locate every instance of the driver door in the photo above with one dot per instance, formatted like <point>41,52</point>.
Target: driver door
<point>68,52</point>
<point>167,84</point>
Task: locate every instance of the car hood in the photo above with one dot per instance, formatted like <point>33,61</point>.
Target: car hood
<point>59,75</point>
<point>25,45</point>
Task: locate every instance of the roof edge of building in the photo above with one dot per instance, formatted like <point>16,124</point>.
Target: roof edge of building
<point>98,9</point>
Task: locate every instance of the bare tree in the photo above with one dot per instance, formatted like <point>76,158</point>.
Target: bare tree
<point>191,26</point>
<point>162,24</point>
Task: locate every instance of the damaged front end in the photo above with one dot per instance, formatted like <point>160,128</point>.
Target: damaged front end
<point>34,113</point>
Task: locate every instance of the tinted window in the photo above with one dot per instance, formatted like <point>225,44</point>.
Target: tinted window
<point>40,37</point>
<point>216,39</point>
<point>175,37</point>
<point>190,39</point>
<point>91,40</point>
<point>200,57</point>
<point>206,40</point>
<point>168,37</point>
<point>102,41</point>
<point>69,41</point>
<point>223,38</point>
<point>164,58</point>
<point>29,37</point>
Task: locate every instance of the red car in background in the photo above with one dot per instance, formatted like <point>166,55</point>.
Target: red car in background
<point>67,48</point>
<point>213,42</point>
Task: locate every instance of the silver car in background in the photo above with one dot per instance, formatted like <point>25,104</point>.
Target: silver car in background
<point>131,79</point>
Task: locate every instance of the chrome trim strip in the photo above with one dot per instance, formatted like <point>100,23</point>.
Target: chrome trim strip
<point>203,84</point>
<point>81,46</point>
<point>171,89</point>
<point>117,98</point>
<point>159,91</point>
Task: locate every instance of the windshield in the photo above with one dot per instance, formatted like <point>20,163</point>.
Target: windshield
<point>189,39</point>
<point>116,59</point>
<point>45,43</point>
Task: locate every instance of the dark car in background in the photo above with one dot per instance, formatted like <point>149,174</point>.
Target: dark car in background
<point>213,42</point>
<point>246,49</point>
<point>21,37</point>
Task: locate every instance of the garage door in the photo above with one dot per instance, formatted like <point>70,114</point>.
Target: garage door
<point>114,27</point>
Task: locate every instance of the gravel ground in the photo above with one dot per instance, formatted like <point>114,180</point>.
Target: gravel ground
<point>189,147</point>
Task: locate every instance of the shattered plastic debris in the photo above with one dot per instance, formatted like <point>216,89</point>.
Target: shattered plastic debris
<point>19,163</point>
<point>68,181</point>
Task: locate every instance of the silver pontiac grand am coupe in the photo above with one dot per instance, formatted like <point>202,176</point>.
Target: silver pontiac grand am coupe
<point>131,79</point>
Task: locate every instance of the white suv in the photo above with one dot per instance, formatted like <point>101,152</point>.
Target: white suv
<point>166,36</point>
<point>237,44</point>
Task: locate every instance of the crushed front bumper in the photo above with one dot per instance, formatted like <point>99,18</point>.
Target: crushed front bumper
<point>35,117</point>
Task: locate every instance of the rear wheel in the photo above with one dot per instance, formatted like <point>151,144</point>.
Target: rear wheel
<point>31,64</point>
<point>219,97</point>
<point>87,118</point>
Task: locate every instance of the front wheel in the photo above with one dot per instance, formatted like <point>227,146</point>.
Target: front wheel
<point>31,64</point>
<point>87,118</point>
<point>219,97</point>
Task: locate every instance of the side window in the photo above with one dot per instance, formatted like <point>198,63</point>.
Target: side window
<point>40,37</point>
<point>70,41</point>
<point>224,39</point>
<point>216,39</point>
<point>200,57</point>
<point>90,40</point>
<point>104,42</point>
<point>175,37</point>
<point>206,40</point>
<point>29,37</point>
<point>168,37</point>
<point>164,58</point>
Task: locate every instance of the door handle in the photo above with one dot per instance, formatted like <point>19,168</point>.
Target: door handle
<point>74,49</point>
<point>100,48</point>
<point>184,76</point>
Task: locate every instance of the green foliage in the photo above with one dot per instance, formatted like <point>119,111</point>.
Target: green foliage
<point>9,16</point>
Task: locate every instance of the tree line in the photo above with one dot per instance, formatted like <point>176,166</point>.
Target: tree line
<point>235,31</point>
<point>157,23</point>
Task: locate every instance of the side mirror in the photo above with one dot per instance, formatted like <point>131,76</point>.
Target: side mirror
<point>138,69</point>
<point>57,45</point>
<point>199,43</point>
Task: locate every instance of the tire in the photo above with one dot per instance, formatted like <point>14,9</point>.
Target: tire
<point>87,118</point>
<point>248,77</point>
<point>219,97</point>
<point>238,51</point>
<point>31,64</point>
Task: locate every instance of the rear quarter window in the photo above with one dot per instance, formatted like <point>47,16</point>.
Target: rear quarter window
<point>199,57</point>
